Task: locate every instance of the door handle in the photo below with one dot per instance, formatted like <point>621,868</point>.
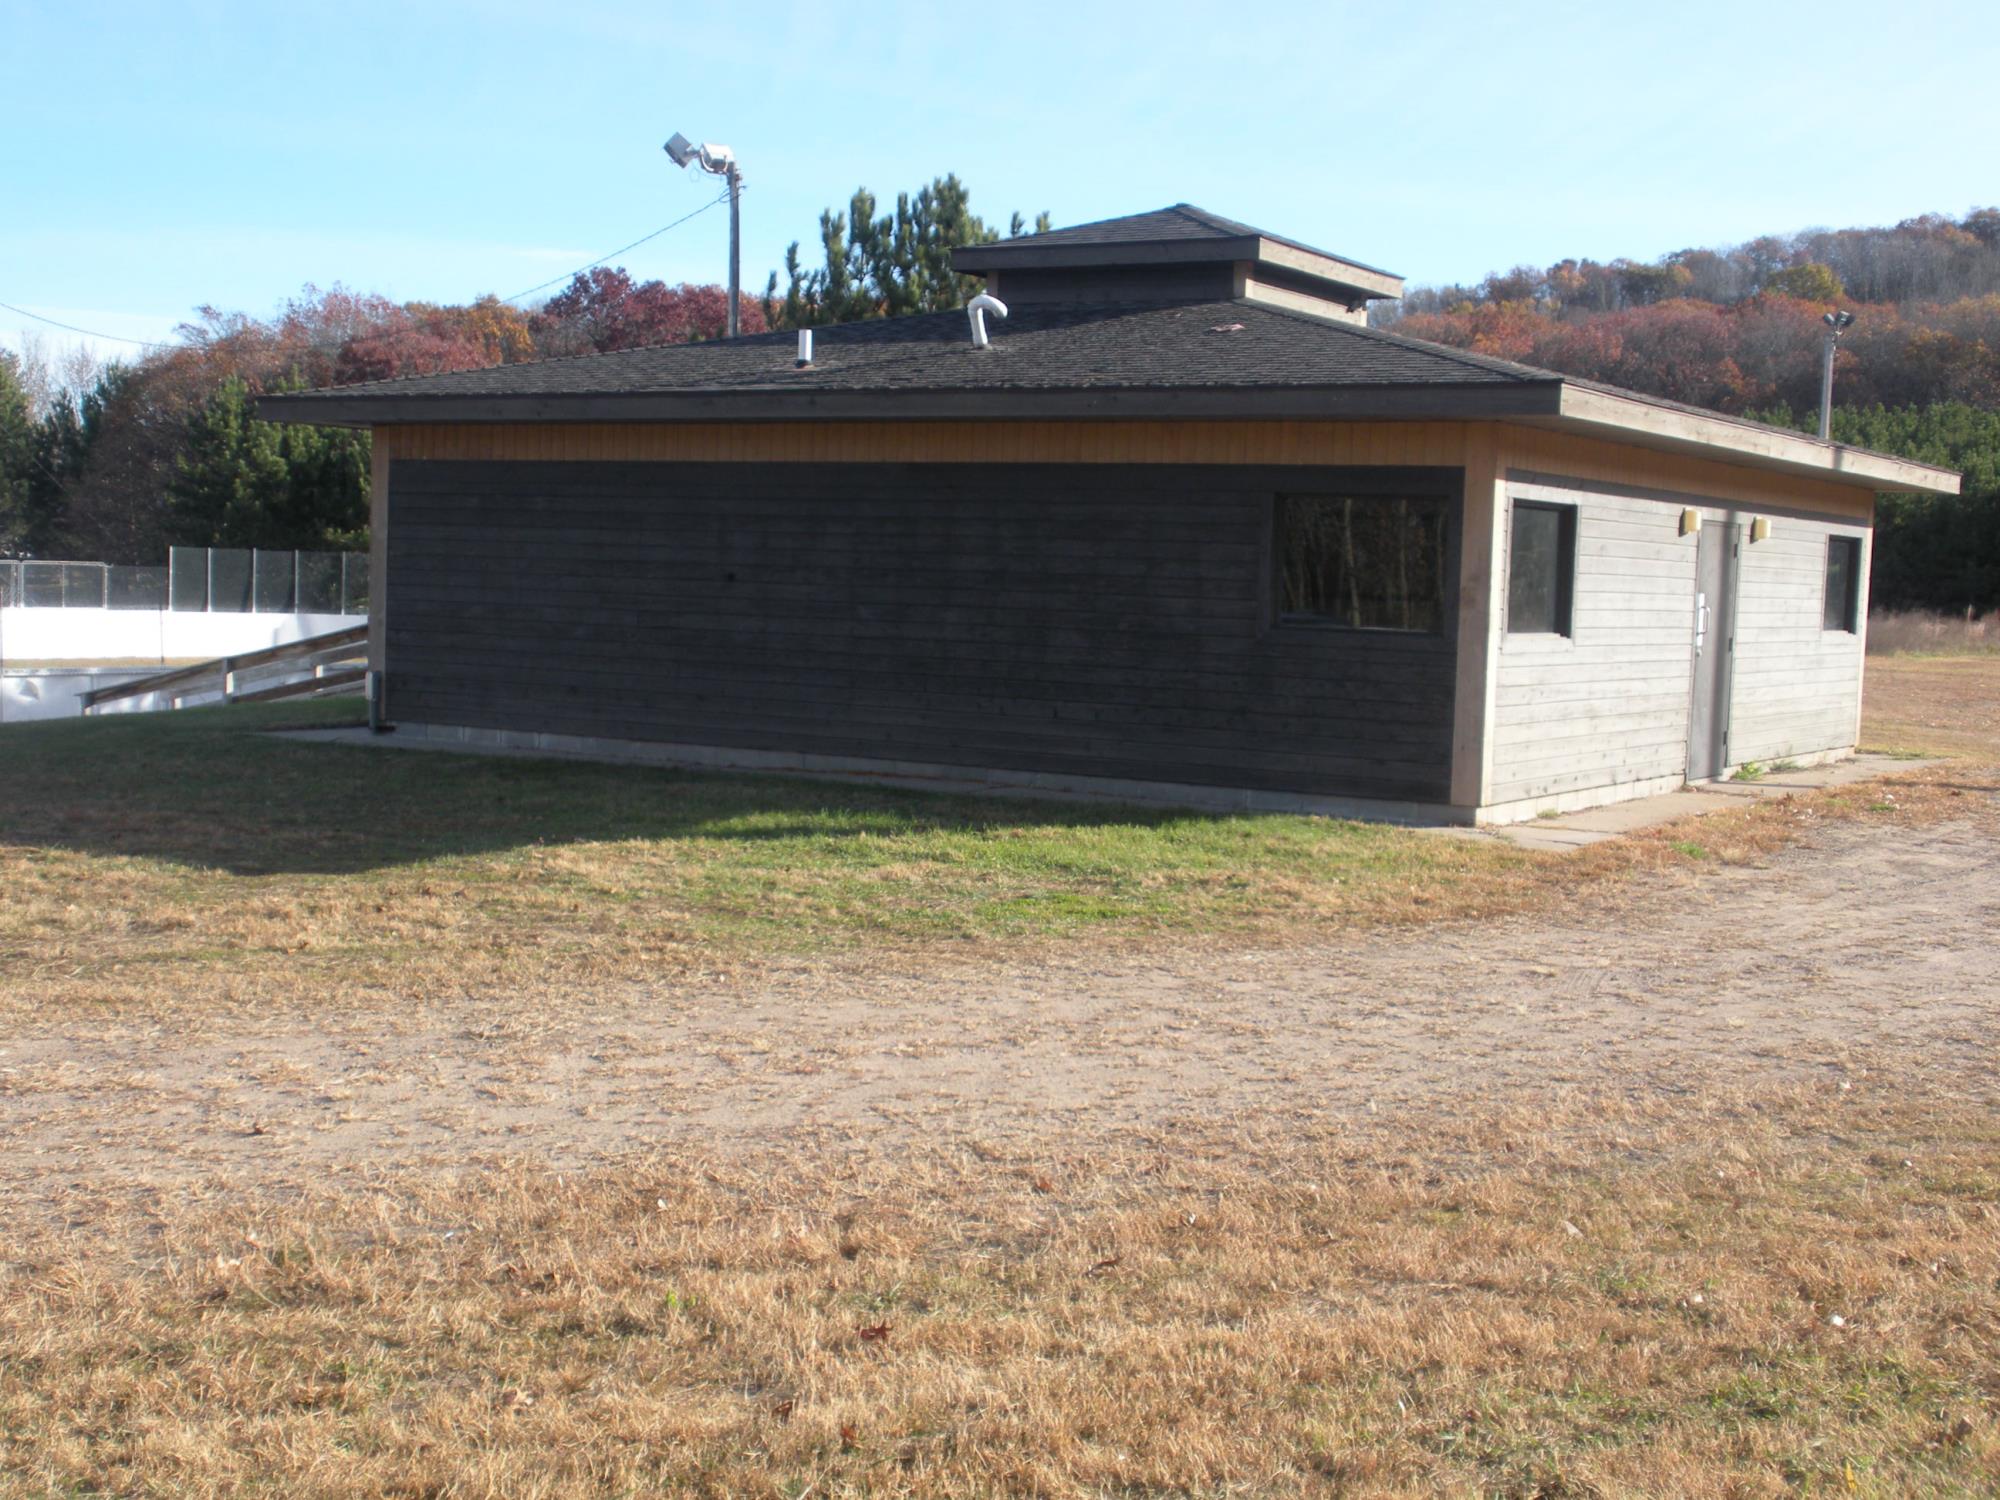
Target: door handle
<point>1700,622</point>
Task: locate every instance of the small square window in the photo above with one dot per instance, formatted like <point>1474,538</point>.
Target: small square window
<point>1372,562</point>
<point>1843,584</point>
<point>1541,569</point>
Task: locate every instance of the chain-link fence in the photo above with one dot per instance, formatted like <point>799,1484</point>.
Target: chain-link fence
<point>236,580</point>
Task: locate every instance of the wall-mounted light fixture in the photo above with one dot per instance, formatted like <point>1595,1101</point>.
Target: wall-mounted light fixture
<point>1760,529</point>
<point>1690,521</point>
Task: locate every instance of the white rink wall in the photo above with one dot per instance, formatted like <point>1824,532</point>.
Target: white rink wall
<point>155,635</point>
<point>51,693</point>
<point>54,639</point>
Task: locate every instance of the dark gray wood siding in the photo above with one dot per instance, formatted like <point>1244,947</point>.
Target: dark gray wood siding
<point>1098,620</point>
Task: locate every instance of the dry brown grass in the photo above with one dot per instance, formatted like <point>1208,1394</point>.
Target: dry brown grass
<point>1712,1296</point>
<point>1700,1291</point>
<point>1899,632</point>
<point>1934,706</point>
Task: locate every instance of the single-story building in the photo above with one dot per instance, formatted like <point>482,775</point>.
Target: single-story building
<point>1180,526</point>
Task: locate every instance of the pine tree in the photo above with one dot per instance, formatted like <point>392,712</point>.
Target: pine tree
<point>888,265</point>
<point>242,482</point>
<point>17,459</point>
<point>229,476</point>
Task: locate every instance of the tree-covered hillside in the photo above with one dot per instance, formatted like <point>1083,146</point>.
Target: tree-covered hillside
<point>118,463</point>
<point>1738,329</point>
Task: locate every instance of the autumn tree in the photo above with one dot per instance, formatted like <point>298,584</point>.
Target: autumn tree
<point>605,309</point>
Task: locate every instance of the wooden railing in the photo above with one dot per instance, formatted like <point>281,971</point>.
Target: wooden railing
<point>321,664</point>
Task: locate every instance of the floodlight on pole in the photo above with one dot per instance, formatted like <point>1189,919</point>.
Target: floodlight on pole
<point>718,161</point>
<point>1837,323</point>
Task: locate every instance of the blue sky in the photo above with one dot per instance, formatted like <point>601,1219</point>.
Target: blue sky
<point>158,157</point>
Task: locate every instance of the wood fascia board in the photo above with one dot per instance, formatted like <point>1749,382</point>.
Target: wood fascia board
<point>1023,254</point>
<point>1511,400</point>
<point>1329,268</point>
<point>1636,420</point>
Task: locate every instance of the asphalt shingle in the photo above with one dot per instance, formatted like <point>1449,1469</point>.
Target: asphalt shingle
<point>1187,346</point>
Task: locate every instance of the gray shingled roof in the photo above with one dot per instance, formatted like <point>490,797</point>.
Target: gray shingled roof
<point>1162,226</point>
<point>1208,345</point>
<point>1229,358</point>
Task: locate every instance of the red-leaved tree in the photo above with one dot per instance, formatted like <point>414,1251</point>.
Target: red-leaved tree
<point>605,309</point>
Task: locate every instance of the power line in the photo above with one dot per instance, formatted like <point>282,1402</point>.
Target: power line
<point>566,276</point>
<point>90,333</point>
<point>609,254</point>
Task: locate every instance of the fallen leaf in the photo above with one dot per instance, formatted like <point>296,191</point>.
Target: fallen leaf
<point>874,1334</point>
<point>783,1410</point>
<point>1043,1185</point>
<point>1108,1263</point>
<point>848,1436</point>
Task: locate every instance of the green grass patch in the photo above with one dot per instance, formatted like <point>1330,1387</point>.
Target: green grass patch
<point>198,836</point>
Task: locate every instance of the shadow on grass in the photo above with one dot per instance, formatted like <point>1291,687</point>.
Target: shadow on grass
<point>210,789</point>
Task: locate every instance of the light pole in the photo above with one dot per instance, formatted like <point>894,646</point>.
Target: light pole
<point>719,161</point>
<point>1837,323</point>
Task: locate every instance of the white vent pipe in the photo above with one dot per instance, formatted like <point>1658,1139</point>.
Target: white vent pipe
<point>805,347</point>
<point>976,311</point>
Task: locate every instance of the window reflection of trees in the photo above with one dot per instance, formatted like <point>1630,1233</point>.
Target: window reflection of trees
<point>1373,562</point>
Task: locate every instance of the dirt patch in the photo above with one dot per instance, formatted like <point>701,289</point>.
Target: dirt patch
<point>1874,941</point>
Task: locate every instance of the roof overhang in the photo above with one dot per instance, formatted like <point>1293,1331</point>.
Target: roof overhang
<point>1498,401</point>
<point>1649,424</point>
<point>1556,404</point>
<point>1359,283</point>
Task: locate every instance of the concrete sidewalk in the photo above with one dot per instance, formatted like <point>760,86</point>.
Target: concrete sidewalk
<point>1579,830</point>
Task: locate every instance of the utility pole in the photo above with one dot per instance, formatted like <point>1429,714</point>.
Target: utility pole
<point>1837,323</point>
<point>735,180</point>
<point>720,161</point>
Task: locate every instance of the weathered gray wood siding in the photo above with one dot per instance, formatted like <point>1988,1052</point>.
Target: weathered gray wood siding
<point>1608,704</point>
<point>1105,620</point>
<point>1796,688</point>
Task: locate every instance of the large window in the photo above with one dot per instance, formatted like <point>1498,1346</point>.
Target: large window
<point>1843,583</point>
<point>1373,562</point>
<point>1541,567</point>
